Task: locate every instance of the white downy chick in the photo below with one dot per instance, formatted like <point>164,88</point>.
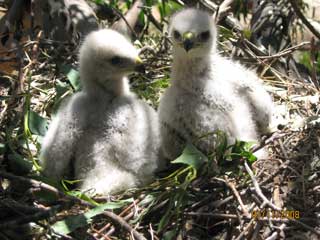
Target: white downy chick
<point>105,133</point>
<point>208,92</point>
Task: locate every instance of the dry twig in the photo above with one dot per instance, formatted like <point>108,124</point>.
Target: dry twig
<point>44,186</point>
<point>258,189</point>
<point>125,225</point>
<point>297,10</point>
<point>41,214</point>
<point>237,195</point>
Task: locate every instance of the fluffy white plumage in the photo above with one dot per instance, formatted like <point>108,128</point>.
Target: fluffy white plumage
<point>108,137</point>
<point>208,92</point>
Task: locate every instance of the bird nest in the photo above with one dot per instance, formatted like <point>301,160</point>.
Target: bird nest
<point>270,198</point>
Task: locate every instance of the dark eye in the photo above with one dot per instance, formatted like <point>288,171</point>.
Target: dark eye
<point>116,60</point>
<point>176,35</point>
<point>204,36</point>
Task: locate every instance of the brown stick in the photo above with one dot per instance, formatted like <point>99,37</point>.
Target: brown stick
<point>42,214</point>
<point>237,195</point>
<point>125,225</point>
<point>285,51</point>
<point>303,18</point>
<point>126,24</point>
<point>222,10</point>
<point>121,215</point>
<point>258,189</point>
<point>44,186</point>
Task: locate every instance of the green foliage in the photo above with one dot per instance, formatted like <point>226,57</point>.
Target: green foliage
<point>19,164</point>
<point>72,75</point>
<point>225,34</point>
<point>37,124</point>
<point>151,91</point>
<point>173,189</point>
<point>247,33</point>
<point>167,8</point>
<point>169,235</point>
<point>99,1</point>
<point>61,88</point>
<point>221,144</point>
<point>50,181</point>
<point>76,193</point>
<point>44,195</point>
<point>240,7</point>
<point>111,3</point>
<point>71,223</point>
<point>241,149</point>
<point>174,193</point>
<point>33,123</point>
<point>305,59</point>
<point>222,151</point>
<point>191,156</point>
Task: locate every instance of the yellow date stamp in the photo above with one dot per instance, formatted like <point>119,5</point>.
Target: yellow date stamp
<point>283,214</point>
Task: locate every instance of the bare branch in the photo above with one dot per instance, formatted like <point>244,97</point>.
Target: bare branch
<point>44,186</point>
<point>303,18</point>
<point>258,189</point>
<point>125,225</point>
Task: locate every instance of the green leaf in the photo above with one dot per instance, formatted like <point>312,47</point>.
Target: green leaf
<point>61,88</point>
<point>247,33</point>
<point>72,75</point>
<point>45,195</point>
<point>250,156</point>
<point>241,149</point>
<point>82,196</point>
<point>50,181</point>
<point>225,32</point>
<point>118,204</point>
<point>149,3</point>
<point>18,164</point>
<point>64,183</point>
<point>170,234</point>
<point>141,18</point>
<point>167,216</point>
<point>63,91</point>
<point>168,8</point>
<point>148,199</point>
<point>191,156</point>
<point>305,59</point>
<point>99,1</point>
<point>37,124</point>
<point>74,79</point>
<point>71,223</point>
<point>221,144</point>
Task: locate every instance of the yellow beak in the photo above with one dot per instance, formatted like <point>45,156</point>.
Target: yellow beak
<point>139,65</point>
<point>138,60</point>
<point>188,36</point>
<point>188,39</point>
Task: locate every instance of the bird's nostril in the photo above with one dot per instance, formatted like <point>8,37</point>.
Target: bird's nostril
<point>188,44</point>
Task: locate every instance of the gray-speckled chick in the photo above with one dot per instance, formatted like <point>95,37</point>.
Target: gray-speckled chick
<point>208,92</point>
<point>112,136</point>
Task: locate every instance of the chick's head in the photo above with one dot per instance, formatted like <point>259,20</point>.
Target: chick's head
<point>193,33</point>
<point>107,55</point>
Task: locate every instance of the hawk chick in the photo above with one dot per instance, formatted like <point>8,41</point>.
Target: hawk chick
<point>108,136</point>
<point>208,92</point>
